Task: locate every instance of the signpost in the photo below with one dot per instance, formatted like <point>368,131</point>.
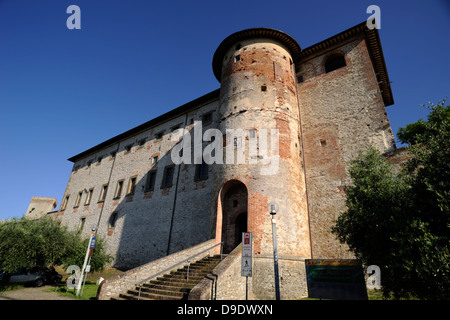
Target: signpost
<point>335,279</point>
<point>246,263</point>
<point>89,251</point>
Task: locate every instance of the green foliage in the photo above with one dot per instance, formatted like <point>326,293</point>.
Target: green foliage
<point>29,243</point>
<point>98,259</point>
<point>401,221</point>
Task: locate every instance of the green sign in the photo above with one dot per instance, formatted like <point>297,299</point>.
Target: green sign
<point>335,279</point>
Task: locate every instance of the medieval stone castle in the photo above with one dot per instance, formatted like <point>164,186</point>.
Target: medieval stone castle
<point>322,104</point>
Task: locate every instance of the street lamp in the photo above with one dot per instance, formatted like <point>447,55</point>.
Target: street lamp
<point>273,208</point>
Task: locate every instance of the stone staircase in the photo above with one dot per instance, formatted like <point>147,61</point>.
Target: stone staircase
<point>175,285</point>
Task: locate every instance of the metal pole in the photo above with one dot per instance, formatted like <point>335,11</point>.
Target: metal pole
<point>246,288</point>
<point>275,258</point>
<point>84,265</point>
<point>84,280</point>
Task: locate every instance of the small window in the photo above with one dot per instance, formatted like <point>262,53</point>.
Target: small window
<point>77,202</point>
<point>252,133</point>
<point>103,193</point>
<point>300,79</point>
<point>150,183</point>
<point>131,186</point>
<point>89,197</point>
<point>128,148</point>
<point>64,203</point>
<point>263,88</point>
<point>201,171</point>
<point>113,220</point>
<point>168,177</point>
<point>119,188</point>
<point>237,142</point>
<point>237,58</point>
<point>207,118</point>
<point>141,142</point>
<point>334,62</point>
<point>155,159</point>
<point>323,142</point>
<point>82,223</point>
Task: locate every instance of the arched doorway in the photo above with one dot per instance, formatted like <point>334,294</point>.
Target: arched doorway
<point>234,198</point>
<point>240,226</point>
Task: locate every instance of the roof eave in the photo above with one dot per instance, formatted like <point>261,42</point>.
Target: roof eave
<point>209,97</point>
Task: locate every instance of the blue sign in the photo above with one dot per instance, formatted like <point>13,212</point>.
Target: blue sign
<point>92,243</point>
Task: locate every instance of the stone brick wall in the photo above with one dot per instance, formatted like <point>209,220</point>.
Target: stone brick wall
<point>224,282</point>
<point>258,91</point>
<point>127,280</point>
<point>342,112</point>
<point>148,224</point>
<point>40,206</point>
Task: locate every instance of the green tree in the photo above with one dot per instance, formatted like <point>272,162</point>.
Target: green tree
<point>29,243</point>
<point>400,220</point>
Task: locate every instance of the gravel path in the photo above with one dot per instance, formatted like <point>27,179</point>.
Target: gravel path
<point>33,294</point>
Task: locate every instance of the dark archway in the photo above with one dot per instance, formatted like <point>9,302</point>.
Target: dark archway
<point>240,226</point>
<point>234,199</point>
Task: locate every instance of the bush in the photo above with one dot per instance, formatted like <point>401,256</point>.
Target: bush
<point>44,242</point>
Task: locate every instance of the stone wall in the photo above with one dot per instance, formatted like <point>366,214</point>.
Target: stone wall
<point>258,92</point>
<point>342,112</point>
<point>40,206</point>
<point>127,280</point>
<point>226,283</point>
<point>143,225</point>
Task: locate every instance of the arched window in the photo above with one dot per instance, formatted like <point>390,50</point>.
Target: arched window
<point>334,62</point>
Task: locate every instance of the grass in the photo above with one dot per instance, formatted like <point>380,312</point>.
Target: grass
<point>90,287</point>
<point>89,291</point>
<point>10,287</point>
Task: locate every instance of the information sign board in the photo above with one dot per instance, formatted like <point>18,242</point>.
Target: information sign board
<point>335,279</point>
<point>246,265</point>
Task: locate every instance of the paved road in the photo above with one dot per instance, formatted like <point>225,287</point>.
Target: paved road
<point>33,293</point>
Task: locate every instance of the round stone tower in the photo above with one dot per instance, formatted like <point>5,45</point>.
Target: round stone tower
<point>263,157</point>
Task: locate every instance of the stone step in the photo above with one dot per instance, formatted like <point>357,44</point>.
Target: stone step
<point>184,274</point>
<point>177,288</point>
<point>173,285</point>
<point>180,284</point>
<point>172,291</point>
<point>146,296</point>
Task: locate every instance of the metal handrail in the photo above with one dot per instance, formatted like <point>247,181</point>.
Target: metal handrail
<point>188,260</point>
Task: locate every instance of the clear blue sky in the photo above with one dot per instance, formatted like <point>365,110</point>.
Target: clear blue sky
<point>63,91</point>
